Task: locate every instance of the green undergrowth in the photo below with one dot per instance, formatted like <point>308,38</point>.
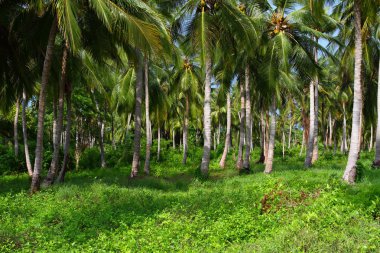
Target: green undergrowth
<point>173,210</point>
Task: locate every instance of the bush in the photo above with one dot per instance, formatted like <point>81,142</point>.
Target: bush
<point>90,158</point>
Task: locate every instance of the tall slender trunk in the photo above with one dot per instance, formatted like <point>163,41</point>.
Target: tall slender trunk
<point>239,163</point>
<point>35,185</point>
<point>173,138</point>
<point>185,129</point>
<point>57,133</point>
<point>262,138</point>
<point>138,99</point>
<point>290,134</point>
<point>15,128</point>
<point>101,136</point>
<point>315,135</point>
<point>158,142</point>
<point>101,144</point>
<point>370,146</point>
<point>222,162</point>
<point>272,130</point>
<point>207,120</point>
<point>66,148</point>
<point>303,142</point>
<point>376,162</point>
<point>77,144</point>
<point>148,128</point>
<point>128,125</point>
<point>248,119</point>
<point>350,171</point>
<point>330,129</point>
<point>25,135</point>
<point>344,132</point>
<point>310,145</point>
<point>266,143</point>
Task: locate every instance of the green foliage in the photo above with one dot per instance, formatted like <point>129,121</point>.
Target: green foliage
<point>90,159</point>
<point>8,162</point>
<point>291,210</point>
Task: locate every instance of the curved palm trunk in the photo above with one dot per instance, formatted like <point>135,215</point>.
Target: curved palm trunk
<point>15,128</point>
<point>248,134</point>
<point>207,120</point>
<point>239,163</point>
<point>315,135</point>
<point>58,130</point>
<point>310,145</point>
<point>185,129</point>
<point>66,148</point>
<point>148,129</point>
<point>222,162</point>
<point>350,171</point>
<point>377,145</point>
<point>138,99</point>
<point>35,185</point>
<point>272,133</point>
<point>25,135</point>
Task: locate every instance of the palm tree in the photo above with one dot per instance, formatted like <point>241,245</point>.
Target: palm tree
<point>57,134</point>
<point>206,18</point>
<point>350,171</point>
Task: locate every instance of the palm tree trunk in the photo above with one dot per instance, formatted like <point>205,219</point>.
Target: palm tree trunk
<point>128,125</point>
<point>101,145</point>
<point>207,119</point>
<point>350,171</point>
<point>66,148</point>
<point>25,135</point>
<point>248,137</point>
<point>173,138</point>
<point>303,142</point>
<point>158,142</point>
<point>262,138</point>
<point>266,144</point>
<point>222,162</point>
<point>344,132</point>
<point>330,129</point>
<point>239,163</point>
<point>77,145</point>
<point>35,185</point>
<point>15,128</point>
<point>138,99</point>
<point>315,135</point>
<point>290,135</point>
<point>148,129</point>
<point>57,133</point>
<point>376,162</point>
<point>310,146</point>
<point>185,129</point>
<point>101,136</point>
<point>371,139</point>
<point>272,130</point>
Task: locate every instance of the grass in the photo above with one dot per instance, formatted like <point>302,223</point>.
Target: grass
<point>291,210</point>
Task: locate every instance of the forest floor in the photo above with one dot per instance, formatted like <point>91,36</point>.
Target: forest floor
<point>173,210</point>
